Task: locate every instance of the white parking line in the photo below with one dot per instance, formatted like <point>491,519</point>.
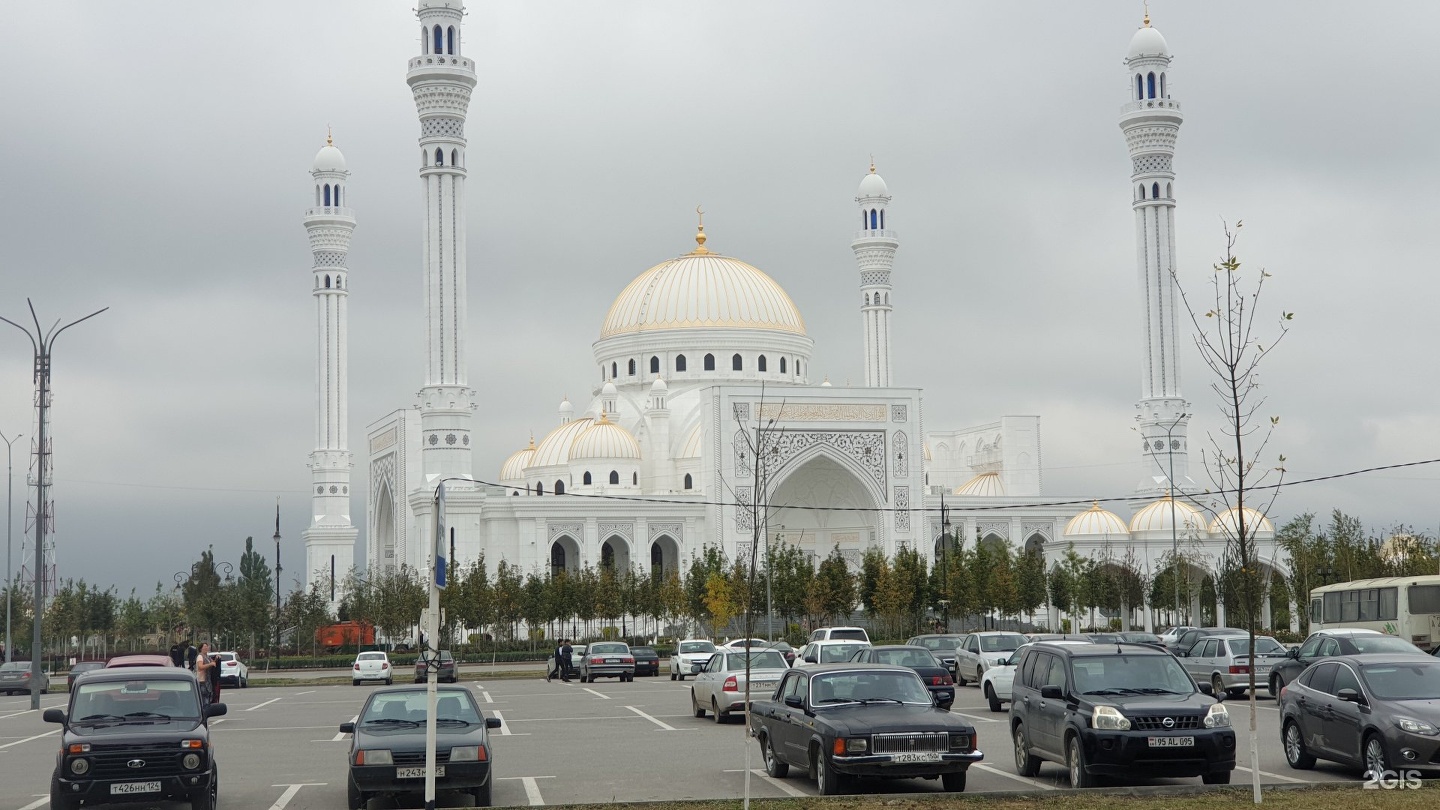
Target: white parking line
<point>306,692</point>
<point>784,786</point>
<point>1272,775</point>
<point>28,739</point>
<point>532,790</point>
<point>981,718</point>
<point>40,803</point>
<point>262,705</point>
<point>1008,775</point>
<point>504,726</point>
<point>341,735</point>
<point>596,694</point>
<point>665,726</point>
<point>487,697</point>
<point>290,791</point>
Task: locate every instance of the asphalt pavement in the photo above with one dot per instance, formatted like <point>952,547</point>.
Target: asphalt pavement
<point>279,748</point>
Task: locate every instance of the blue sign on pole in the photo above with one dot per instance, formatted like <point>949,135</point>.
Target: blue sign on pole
<point>440,535</point>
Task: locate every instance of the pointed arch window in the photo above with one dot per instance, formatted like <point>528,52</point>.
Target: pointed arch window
<point>654,364</point>
<point>797,368</point>
<point>539,488</point>
<point>587,479</point>
<point>1162,86</point>
<point>337,195</point>
<point>679,362</point>
<point>1168,192</point>
<point>1150,85</point>
<point>1142,191</point>
<point>782,365</point>
<point>439,157</point>
<point>709,362</point>
<point>873,219</point>
<point>559,487</point>
<point>327,195</point>
<point>864,218</point>
<point>439,41</point>
<point>1155,191</point>
<point>454,157</point>
<point>614,370</point>
<point>450,40</point>
<point>882,219</point>
<point>632,367</point>
<point>615,477</point>
<point>689,482</point>
<point>317,193</point>
<point>760,363</point>
<point>424,41</point>
<point>737,363</point>
<point>634,479</point>
<point>1139,87</point>
<point>327,281</point>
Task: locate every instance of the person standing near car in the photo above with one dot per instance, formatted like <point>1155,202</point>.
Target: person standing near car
<point>204,666</point>
<point>566,651</point>
<point>554,670</point>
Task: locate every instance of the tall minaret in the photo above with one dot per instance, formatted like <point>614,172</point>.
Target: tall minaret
<point>1151,123</point>
<point>441,78</point>
<point>330,538</point>
<point>874,248</point>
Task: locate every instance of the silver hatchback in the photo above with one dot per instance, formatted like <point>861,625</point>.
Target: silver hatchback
<point>1225,661</point>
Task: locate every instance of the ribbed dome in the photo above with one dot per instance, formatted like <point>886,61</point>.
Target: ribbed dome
<point>1096,521</point>
<point>693,444</point>
<point>329,159</point>
<point>702,291</point>
<point>605,440</point>
<point>1255,523</point>
<point>555,448</point>
<point>986,485</point>
<point>514,467</point>
<point>1155,517</point>
<point>1148,42</point>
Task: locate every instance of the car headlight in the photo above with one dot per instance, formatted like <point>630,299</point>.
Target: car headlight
<point>1218,716</point>
<point>190,761</point>
<point>374,756</point>
<point>79,766</point>
<point>1416,726</point>
<point>1109,718</point>
<point>468,753</point>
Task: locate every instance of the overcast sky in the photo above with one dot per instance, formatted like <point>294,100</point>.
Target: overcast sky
<point>154,159</point>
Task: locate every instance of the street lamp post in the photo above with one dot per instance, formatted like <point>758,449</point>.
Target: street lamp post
<point>1174,530</point>
<point>9,525</point>
<point>278,620</point>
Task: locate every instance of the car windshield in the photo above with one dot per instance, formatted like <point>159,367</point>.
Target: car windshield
<point>1130,674</point>
<point>643,651</point>
<point>697,647</point>
<point>1004,642</point>
<point>371,656</point>
<point>1014,659</point>
<point>609,647</point>
<point>1417,681</point>
<point>748,642</point>
<point>1104,638</point>
<point>905,658</point>
<point>1140,638</point>
<point>848,632</point>
<point>1264,645</point>
<point>407,708</point>
<point>835,653</point>
<point>15,666</point>
<point>768,659</point>
<point>868,687</point>
<point>1383,644</point>
<point>940,643</point>
<point>138,700</point>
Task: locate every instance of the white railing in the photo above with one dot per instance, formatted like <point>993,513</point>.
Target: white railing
<point>329,211</point>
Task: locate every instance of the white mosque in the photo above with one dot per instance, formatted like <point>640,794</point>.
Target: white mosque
<point>694,355</point>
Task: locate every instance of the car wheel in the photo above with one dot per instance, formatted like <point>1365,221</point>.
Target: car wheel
<point>482,794</point>
<point>1217,685</point>
<point>356,799</point>
<point>1276,684</point>
<point>719,715</point>
<point>990,696</point>
<point>389,681</point>
<point>773,764</point>
<point>1295,754</point>
<point>1238,693</point>
<point>672,676</point>
<point>1221,778</point>
<point>1377,765</point>
<point>1025,763</point>
<point>827,781</point>
<point>1075,761</point>
<point>682,676</point>
<point>244,683</point>
<point>695,704</point>
<point>954,782</point>
<point>959,679</point>
<point>209,798</point>
<point>354,682</point>
<point>58,800</point>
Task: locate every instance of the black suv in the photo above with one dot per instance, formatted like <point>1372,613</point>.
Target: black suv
<point>135,734</point>
<point>1116,710</point>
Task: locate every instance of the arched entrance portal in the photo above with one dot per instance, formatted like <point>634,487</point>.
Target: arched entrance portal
<point>615,554</point>
<point>385,528</point>
<point>664,556</point>
<point>564,555</point>
<point>840,509</point>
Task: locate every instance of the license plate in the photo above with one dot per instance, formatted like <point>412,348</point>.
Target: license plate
<point>612,660</point>
<point>1262,669</point>
<point>762,685</point>
<point>1172,742</point>
<point>126,788</point>
<point>417,773</point>
<point>916,756</point>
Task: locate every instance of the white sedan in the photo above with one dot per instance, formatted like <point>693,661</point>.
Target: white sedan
<point>996,681</point>
<point>687,654</point>
<point>372,666</point>
<point>232,669</point>
<point>720,686</point>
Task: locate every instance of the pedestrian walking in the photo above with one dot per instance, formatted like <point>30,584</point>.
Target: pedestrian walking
<point>566,651</point>
<point>554,670</point>
<point>206,674</point>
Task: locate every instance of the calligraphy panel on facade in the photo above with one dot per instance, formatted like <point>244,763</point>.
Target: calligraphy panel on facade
<point>821,412</point>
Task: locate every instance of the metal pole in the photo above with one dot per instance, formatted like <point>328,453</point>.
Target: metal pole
<point>9,527</point>
<point>769,605</point>
<point>1174,530</point>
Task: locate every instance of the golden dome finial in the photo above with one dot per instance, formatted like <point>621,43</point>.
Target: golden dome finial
<point>604,417</point>
<point>329,136</point>
<point>872,162</point>
<point>532,440</point>
<point>1147,13</point>
<point>700,233</point>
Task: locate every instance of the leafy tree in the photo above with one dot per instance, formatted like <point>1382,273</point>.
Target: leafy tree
<point>134,621</point>
<point>1308,553</point>
<point>718,604</point>
<point>305,612</point>
<point>1030,581</point>
<point>873,568</point>
<point>710,561</point>
<point>911,575</point>
<point>508,594</point>
<point>838,586</point>
<point>200,594</point>
<point>671,596</point>
<point>255,596</point>
<point>533,606</point>
<point>792,575</point>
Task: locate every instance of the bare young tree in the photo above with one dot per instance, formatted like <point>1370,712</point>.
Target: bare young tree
<point>1228,335</point>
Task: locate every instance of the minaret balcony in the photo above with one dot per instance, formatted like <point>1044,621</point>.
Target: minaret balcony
<point>876,234</point>
<point>331,211</point>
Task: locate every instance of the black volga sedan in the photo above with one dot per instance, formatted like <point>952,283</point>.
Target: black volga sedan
<point>387,749</point>
<point>135,734</point>
<point>936,677</point>
<point>838,721</point>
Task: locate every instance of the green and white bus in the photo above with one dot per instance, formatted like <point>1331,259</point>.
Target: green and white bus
<point>1408,607</point>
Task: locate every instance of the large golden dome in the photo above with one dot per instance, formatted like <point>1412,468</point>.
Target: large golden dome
<point>702,290</point>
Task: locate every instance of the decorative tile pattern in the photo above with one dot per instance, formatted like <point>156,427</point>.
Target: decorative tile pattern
<point>821,412</point>
<point>902,507</point>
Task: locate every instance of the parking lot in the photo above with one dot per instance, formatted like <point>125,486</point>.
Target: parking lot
<point>279,748</point>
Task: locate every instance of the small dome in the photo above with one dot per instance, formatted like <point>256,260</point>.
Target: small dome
<point>659,386</point>
<point>609,389</point>
<point>985,485</point>
<point>826,382</point>
<point>565,406</point>
<point>693,444</point>
<point>514,467</point>
<point>329,159</point>
<point>605,440</point>
<point>1156,517</point>
<point>1148,42</point>
<point>554,449</point>
<point>1255,523</point>
<point>871,185</point>
<point>1096,521</point>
